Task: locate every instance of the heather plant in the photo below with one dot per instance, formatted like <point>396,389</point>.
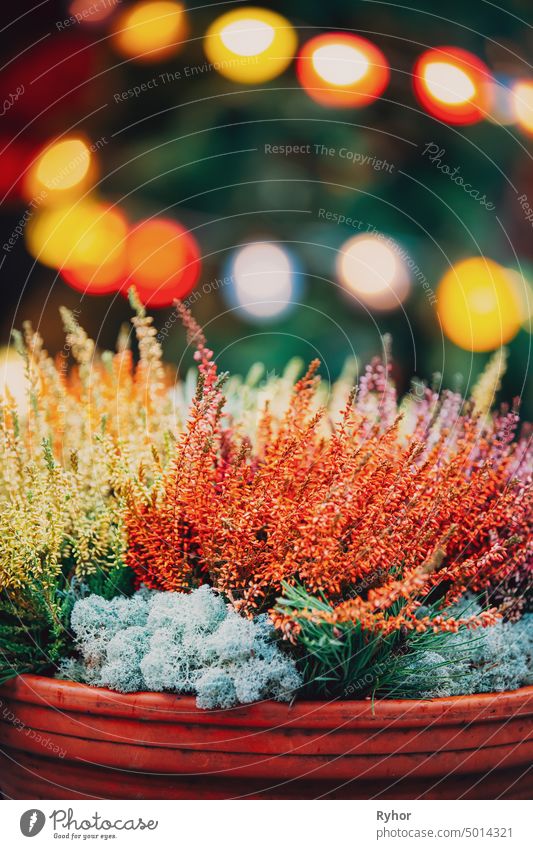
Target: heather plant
<point>354,521</point>
<point>64,466</point>
<point>440,505</point>
<point>32,530</point>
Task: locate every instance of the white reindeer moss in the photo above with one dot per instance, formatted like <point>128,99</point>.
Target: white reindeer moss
<point>487,660</point>
<point>181,643</point>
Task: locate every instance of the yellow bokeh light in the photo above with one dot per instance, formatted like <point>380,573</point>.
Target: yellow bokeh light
<point>478,305</point>
<point>61,171</point>
<point>448,83</point>
<point>85,234</point>
<point>250,45</point>
<point>151,31</point>
<point>522,100</point>
<point>372,269</point>
<point>63,165</point>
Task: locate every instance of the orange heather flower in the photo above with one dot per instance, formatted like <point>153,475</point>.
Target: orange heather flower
<point>369,512</point>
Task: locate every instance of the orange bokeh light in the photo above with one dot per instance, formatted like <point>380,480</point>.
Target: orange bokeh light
<point>453,85</point>
<point>163,261</point>
<point>342,70</point>
<point>108,276</point>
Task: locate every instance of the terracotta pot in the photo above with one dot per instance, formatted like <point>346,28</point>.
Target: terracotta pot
<point>61,740</point>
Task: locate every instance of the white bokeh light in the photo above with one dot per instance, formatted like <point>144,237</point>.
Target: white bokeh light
<point>448,83</point>
<point>263,280</point>
<point>248,37</point>
<point>340,64</point>
<point>372,269</point>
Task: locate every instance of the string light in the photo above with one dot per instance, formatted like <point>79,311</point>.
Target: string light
<point>371,268</point>
<point>344,70</point>
<point>250,45</point>
<point>163,261</point>
<point>478,305</point>
<point>453,85</point>
<point>151,31</point>
<point>264,282</point>
<point>88,241</point>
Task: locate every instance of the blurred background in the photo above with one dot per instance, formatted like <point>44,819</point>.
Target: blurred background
<point>307,177</point>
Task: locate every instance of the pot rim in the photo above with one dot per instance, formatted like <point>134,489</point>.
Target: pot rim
<point>169,707</point>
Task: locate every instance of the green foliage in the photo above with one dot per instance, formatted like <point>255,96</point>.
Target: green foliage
<point>343,660</point>
<point>335,658</point>
<point>34,636</point>
<point>117,581</point>
<point>34,627</point>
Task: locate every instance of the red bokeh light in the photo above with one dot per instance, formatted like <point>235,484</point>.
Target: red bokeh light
<point>342,70</point>
<point>453,85</point>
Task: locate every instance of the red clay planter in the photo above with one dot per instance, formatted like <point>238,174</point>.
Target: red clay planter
<point>60,740</point>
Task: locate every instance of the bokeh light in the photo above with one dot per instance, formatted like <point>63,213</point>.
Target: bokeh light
<point>478,305</point>
<point>340,69</point>
<point>63,168</point>
<point>371,268</point>
<point>151,31</point>
<point>13,381</point>
<point>250,45</point>
<point>85,241</point>
<point>453,85</point>
<point>522,104</point>
<point>264,282</point>
<point>92,11</point>
<point>163,261</point>
<point>104,268</point>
